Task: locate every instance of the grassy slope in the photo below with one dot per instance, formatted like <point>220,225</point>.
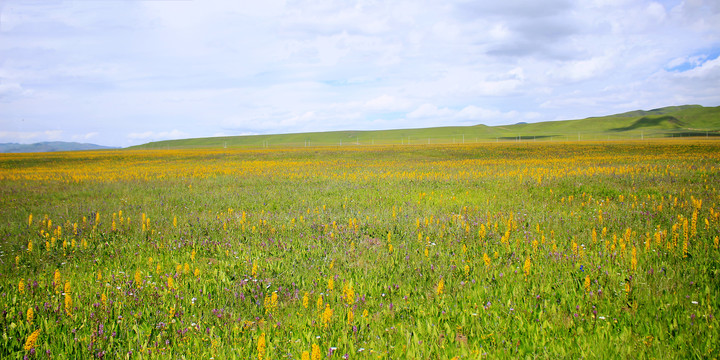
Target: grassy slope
<point>688,120</point>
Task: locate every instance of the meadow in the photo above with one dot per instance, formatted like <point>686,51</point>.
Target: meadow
<point>496,250</point>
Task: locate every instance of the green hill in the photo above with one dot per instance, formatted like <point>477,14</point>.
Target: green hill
<point>667,122</point>
<point>660,121</point>
<point>660,111</point>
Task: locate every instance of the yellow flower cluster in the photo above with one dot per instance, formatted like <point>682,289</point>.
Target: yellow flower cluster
<point>261,347</point>
<point>327,314</point>
<point>30,315</point>
<point>349,293</point>
<point>440,287</point>
<point>527,266</point>
<point>31,340</point>
<point>271,302</point>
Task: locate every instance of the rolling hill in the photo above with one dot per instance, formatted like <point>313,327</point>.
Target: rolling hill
<point>667,122</point>
<point>49,146</point>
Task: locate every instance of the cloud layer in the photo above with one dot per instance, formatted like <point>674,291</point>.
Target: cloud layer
<point>126,72</point>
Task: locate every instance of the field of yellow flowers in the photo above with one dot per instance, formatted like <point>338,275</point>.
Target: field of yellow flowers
<point>516,250</point>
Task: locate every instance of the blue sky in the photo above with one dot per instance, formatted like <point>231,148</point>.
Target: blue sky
<point>125,72</point>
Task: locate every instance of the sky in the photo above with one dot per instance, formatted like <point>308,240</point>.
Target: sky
<point>127,72</point>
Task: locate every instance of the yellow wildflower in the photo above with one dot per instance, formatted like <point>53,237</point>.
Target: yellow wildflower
<point>440,287</point>
<point>327,315</point>
<point>56,279</point>
<point>315,355</point>
<point>526,267</point>
<point>30,342</point>
<point>30,315</point>
<point>271,302</point>
<point>261,347</point>
<point>587,283</point>
<point>349,293</point>
<point>68,304</point>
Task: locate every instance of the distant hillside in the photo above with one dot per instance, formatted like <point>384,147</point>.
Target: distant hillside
<point>667,122</point>
<point>660,111</point>
<point>661,121</point>
<point>49,146</point>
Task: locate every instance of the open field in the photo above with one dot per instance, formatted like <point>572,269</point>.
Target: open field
<point>668,122</point>
<point>497,250</point>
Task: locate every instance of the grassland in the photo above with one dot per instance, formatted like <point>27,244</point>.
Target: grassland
<point>667,122</point>
<point>494,250</point>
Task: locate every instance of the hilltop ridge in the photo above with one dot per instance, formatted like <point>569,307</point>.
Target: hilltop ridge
<point>666,122</point>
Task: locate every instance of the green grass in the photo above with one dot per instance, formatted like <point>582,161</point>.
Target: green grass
<point>668,122</point>
<point>389,222</point>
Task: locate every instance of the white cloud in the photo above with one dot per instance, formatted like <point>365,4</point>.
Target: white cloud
<point>85,137</point>
<point>656,11</point>
<point>468,115</point>
<point>387,102</point>
<point>9,90</point>
<point>706,70</point>
<point>430,111</point>
<point>579,70</point>
<point>473,112</point>
<point>219,67</point>
<point>30,136</point>
<point>160,135</point>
